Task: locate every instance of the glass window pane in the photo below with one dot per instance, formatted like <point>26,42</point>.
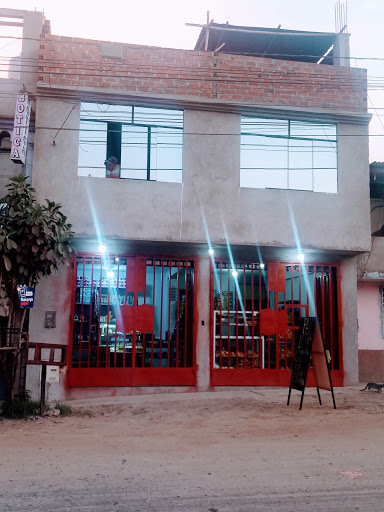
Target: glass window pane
<point>253,178</point>
<point>149,285</point>
<point>104,112</point>
<point>92,149</point>
<point>158,117</point>
<point>324,155</point>
<point>300,179</point>
<point>267,146</point>
<point>309,130</point>
<point>276,153</point>
<point>134,152</point>
<point>166,155</point>
<point>253,154</point>
<point>277,178</point>
<point>262,126</point>
<point>288,284</point>
<point>325,180</point>
<point>300,154</point>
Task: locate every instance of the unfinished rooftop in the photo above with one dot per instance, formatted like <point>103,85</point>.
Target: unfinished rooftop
<point>316,47</point>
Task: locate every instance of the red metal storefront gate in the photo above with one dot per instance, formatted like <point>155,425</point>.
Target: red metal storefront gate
<point>132,322</point>
<point>256,312</point>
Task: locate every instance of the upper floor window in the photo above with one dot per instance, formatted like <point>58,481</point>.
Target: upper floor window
<point>288,154</point>
<point>140,143</point>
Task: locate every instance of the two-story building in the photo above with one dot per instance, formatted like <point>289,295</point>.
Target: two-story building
<point>217,196</point>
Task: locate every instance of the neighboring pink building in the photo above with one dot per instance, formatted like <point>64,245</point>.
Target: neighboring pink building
<point>370,287</point>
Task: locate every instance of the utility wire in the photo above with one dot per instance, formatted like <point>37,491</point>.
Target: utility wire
<point>52,40</point>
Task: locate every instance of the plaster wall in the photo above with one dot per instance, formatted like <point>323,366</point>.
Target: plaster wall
<point>32,30</point>
<point>203,332</point>
<point>52,294</point>
<point>7,105</point>
<point>369,316</point>
<point>154,211</point>
<point>372,261</point>
<point>349,321</point>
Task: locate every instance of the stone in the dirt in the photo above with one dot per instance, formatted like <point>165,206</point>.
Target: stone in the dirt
<point>52,412</point>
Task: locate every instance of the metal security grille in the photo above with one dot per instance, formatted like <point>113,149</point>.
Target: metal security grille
<point>133,313</point>
<point>312,290</point>
<point>239,295</point>
<point>257,310</point>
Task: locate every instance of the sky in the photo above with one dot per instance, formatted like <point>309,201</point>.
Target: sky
<point>162,23</point>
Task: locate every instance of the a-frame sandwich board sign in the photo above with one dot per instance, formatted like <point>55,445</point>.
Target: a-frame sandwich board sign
<point>310,346</point>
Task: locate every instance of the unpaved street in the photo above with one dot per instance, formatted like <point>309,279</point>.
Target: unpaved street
<point>237,450</point>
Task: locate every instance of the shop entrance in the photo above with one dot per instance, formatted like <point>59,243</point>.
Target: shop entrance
<point>256,313</point>
<point>132,322</point>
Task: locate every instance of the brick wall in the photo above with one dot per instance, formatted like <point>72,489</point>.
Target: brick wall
<point>206,75</point>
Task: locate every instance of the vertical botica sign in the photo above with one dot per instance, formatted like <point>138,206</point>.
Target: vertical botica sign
<point>20,129</point>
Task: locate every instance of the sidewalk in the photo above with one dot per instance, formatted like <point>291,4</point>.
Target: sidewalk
<point>262,395</point>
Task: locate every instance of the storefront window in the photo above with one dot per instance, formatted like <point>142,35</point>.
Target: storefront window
<point>239,294</point>
<point>133,313</point>
<point>257,313</point>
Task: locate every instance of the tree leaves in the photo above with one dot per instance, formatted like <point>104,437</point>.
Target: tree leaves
<point>11,244</point>
<point>7,262</point>
<point>34,238</point>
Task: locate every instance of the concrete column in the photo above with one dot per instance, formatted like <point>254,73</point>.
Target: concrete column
<point>349,320</point>
<point>341,50</point>
<point>32,29</point>
<point>202,325</point>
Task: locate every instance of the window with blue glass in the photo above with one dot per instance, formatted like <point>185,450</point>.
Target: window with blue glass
<point>285,154</point>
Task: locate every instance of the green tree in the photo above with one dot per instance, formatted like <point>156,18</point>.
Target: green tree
<point>35,240</point>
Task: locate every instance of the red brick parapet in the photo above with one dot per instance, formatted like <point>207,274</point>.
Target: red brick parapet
<point>239,79</point>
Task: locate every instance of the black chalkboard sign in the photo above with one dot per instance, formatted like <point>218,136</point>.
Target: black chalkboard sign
<point>309,343</point>
<point>303,349</point>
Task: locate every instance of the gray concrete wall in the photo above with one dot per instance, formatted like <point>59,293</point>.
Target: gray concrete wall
<point>341,54</point>
<point>32,28</point>
<point>129,209</point>
<point>349,321</point>
<point>52,294</point>
<point>203,332</point>
<point>373,262</point>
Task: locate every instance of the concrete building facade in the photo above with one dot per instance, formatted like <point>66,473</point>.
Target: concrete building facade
<point>226,167</point>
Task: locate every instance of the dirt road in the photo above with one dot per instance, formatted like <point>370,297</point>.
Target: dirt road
<point>237,450</point>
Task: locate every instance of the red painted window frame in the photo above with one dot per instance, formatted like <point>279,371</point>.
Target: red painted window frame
<point>270,377</point>
<point>107,377</point>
